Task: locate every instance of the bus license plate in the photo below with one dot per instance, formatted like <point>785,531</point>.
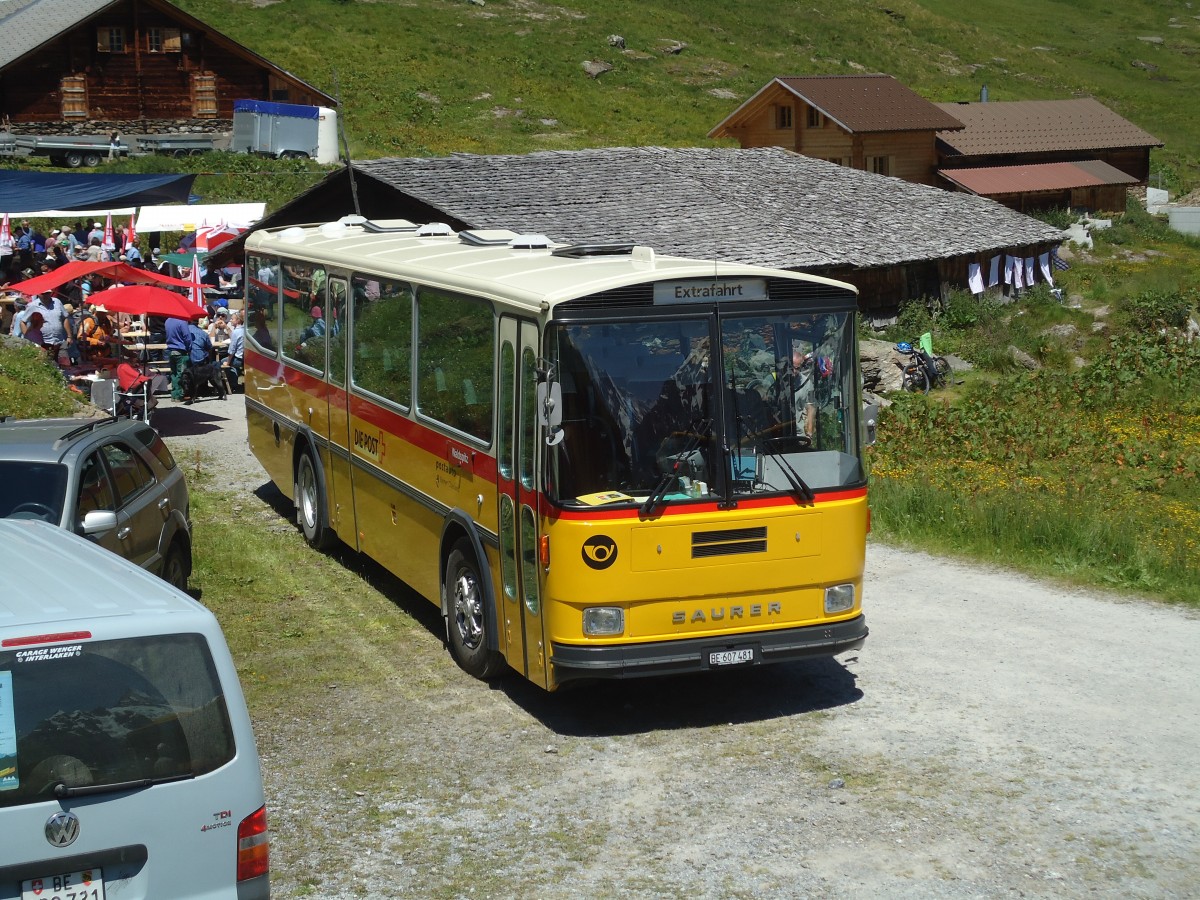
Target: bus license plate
<point>85,885</point>
<point>731,657</point>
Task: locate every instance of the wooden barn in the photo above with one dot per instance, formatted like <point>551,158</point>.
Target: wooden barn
<point>72,62</point>
<point>895,241</point>
<point>868,122</point>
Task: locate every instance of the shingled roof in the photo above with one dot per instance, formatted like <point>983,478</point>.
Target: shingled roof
<point>766,206</point>
<point>860,104</point>
<point>1032,126</point>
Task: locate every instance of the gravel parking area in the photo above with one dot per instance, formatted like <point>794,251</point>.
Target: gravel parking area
<point>997,736</point>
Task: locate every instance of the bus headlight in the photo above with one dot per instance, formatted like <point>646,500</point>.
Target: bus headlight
<point>839,598</point>
<point>598,620</point>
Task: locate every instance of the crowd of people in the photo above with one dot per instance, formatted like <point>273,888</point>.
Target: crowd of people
<point>76,331</point>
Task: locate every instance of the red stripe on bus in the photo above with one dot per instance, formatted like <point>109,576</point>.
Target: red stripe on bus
<point>391,423</point>
<point>708,506</point>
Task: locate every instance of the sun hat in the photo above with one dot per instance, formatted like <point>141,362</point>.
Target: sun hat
<point>97,225</point>
<point>222,311</point>
<point>316,312</point>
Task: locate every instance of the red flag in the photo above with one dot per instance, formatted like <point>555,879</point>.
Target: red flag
<point>108,243</point>
<point>130,234</point>
<point>196,291</point>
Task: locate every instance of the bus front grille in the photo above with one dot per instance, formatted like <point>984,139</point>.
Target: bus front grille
<point>729,542</point>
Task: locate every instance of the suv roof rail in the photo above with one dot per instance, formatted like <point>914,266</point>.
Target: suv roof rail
<point>83,429</point>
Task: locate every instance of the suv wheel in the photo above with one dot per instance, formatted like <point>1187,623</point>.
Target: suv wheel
<point>176,567</point>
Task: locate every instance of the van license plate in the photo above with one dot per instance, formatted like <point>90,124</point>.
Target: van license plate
<point>731,657</point>
<point>85,885</point>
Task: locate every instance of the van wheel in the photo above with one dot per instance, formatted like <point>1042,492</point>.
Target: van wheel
<point>311,513</point>
<point>176,567</point>
<point>466,623</point>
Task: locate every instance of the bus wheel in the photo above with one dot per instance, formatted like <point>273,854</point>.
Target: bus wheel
<point>467,619</point>
<point>311,514</point>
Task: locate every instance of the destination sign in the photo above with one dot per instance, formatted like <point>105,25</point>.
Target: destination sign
<point>724,289</point>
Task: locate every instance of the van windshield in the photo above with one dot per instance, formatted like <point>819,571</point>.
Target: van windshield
<point>94,713</point>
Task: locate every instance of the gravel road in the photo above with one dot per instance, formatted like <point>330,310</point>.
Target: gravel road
<point>997,736</point>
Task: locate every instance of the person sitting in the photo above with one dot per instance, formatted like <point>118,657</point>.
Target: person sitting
<point>95,334</point>
<point>234,363</point>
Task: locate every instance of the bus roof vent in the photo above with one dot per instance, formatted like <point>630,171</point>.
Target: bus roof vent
<point>352,220</point>
<point>435,229</point>
<point>482,237</point>
<point>388,226</point>
<point>578,251</point>
<point>333,229</point>
<point>530,242</point>
<point>293,235</point>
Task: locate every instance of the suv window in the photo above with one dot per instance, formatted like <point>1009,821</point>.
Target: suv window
<point>95,488</point>
<point>101,713</point>
<point>130,475</point>
<point>149,438</point>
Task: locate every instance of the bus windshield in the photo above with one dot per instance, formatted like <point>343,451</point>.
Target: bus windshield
<point>719,406</point>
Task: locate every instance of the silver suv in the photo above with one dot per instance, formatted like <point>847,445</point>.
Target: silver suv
<point>112,480</point>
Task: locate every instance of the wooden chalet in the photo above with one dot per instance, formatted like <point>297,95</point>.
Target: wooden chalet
<point>766,206</point>
<point>80,61</point>
<point>1038,154</point>
<point>868,122</point>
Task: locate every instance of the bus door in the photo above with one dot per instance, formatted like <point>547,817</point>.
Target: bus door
<point>520,616</point>
<point>341,496</point>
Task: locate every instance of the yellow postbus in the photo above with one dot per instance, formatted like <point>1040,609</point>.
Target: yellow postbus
<point>598,461</point>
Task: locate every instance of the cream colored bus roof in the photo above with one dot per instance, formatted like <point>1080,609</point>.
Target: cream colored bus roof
<point>486,262</point>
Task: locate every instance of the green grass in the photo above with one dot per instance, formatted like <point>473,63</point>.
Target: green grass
<point>430,77</point>
<point>30,386</point>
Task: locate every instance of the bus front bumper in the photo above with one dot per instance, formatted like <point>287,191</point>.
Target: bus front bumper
<point>572,662</point>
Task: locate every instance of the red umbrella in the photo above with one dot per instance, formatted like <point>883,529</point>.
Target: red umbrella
<point>60,276</point>
<point>145,299</point>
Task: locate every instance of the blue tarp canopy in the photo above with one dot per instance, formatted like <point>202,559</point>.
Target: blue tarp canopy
<point>21,191</point>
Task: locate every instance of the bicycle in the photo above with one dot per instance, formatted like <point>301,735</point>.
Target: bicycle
<point>921,371</point>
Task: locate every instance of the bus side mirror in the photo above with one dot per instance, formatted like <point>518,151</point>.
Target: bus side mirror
<point>549,404</point>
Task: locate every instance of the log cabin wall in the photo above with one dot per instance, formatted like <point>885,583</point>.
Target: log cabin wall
<point>1134,162</point>
<point>136,62</point>
<point>783,120</point>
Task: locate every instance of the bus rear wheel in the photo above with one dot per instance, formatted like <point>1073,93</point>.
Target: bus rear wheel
<point>466,621</point>
<point>311,512</point>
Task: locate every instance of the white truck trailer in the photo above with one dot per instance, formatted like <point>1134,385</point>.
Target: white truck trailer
<point>285,130</point>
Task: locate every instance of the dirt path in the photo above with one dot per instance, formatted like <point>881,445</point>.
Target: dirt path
<point>996,737</point>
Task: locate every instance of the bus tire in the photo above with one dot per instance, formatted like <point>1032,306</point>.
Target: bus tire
<point>466,619</point>
<point>311,513</point>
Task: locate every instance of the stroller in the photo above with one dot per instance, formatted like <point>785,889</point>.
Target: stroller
<point>132,397</point>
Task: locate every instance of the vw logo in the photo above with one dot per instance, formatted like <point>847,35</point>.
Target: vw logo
<point>62,828</point>
<point>600,551</point>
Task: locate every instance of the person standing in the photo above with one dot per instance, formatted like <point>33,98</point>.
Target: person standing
<point>114,145</point>
<point>54,327</point>
<point>179,343</point>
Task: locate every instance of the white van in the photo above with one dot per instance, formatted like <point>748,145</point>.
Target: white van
<point>127,763</point>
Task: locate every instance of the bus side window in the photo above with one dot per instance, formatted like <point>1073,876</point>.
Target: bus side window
<point>383,339</point>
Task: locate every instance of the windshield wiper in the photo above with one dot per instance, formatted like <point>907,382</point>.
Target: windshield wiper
<point>700,434</point>
<point>62,789</point>
<point>798,484</point>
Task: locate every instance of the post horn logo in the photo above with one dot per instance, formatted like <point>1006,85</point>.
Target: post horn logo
<point>599,552</point>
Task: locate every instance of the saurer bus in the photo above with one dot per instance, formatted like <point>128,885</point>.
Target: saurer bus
<point>599,461</point>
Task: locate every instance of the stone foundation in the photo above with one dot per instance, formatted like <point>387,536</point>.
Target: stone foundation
<point>136,126</point>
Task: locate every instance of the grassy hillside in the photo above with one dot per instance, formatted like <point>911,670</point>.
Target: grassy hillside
<point>420,77</point>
